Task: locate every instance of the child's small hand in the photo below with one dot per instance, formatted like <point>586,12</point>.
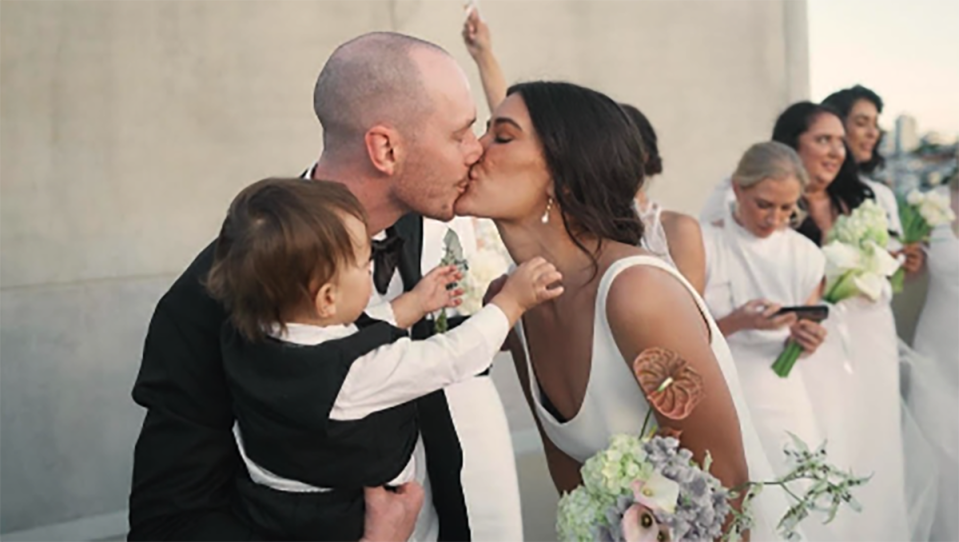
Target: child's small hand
<point>433,292</point>
<point>527,287</point>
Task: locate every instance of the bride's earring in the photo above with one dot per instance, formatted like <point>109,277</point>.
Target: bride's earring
<point>549,207</point>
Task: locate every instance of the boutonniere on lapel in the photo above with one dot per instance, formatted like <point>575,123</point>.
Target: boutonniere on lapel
<point>452,255</point>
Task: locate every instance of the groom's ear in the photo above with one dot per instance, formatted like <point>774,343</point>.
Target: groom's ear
<point>382,146</point>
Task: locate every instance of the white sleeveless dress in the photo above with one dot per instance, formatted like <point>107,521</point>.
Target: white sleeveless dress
<point>654,235</point>
<point>614,403</point>
<point>933,395</point>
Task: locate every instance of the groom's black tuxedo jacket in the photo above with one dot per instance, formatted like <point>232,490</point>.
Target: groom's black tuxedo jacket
<point>186,460</point>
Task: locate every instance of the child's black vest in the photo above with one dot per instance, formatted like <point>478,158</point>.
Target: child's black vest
<point>282,395</point>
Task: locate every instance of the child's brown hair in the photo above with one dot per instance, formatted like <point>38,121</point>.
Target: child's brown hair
<point>282,239</point>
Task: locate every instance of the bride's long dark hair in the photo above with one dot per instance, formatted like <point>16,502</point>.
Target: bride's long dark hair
<point>594,154</point>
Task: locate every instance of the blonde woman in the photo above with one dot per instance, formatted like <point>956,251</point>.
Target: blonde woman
<point>755,265</point>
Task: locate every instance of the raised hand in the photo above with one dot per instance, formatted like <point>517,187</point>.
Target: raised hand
<point>431,294</point>
<point>476,35</point>
<point>531,283</point>
<point>433,291</point>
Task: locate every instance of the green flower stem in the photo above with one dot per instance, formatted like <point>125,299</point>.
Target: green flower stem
<point>442,324</point>
<point>787,359</point>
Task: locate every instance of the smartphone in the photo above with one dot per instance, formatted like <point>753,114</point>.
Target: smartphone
<point>816,313</point>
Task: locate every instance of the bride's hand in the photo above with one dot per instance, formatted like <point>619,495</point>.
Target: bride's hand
<point>755,314</point>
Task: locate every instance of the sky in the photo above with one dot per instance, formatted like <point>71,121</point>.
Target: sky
<point>905,50</point>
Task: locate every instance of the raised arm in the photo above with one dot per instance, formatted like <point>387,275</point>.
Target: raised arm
<point>648,308</point>
<point>476,36</point>
<point>406,370</point>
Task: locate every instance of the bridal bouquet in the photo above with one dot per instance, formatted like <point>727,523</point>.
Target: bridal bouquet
<point>857,263</point>
<point>920,213</point>
<point>646,488</point>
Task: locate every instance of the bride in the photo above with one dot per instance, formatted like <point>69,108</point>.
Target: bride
<point>560,168</point>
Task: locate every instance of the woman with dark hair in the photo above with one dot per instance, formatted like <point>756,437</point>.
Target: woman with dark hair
<point>674,237</point>
<point>561,165</point>
<point>817,134</point>
<point>859,108</point>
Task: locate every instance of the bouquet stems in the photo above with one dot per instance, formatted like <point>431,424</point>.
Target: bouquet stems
<point>898,280</point>
<point>442,323</point>
<point>785,362</point>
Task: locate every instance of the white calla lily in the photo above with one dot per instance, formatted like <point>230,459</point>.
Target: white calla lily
<point>841,257</point>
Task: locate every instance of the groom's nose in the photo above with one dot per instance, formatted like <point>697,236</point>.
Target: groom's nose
<point>474,152</point>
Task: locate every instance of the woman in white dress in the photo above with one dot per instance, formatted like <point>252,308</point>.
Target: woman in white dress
<point>860,108</point>
<point>866,412</point>
<point>937,340</point>
<point>674,237</point>
<point>560,168</point>
<point>756,264</point>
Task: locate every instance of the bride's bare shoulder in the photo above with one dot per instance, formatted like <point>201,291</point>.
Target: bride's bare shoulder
<point>647,292</point>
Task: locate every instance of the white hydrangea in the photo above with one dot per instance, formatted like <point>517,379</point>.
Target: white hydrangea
<point>580,516</point>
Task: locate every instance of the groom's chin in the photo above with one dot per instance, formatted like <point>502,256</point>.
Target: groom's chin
<point>461,208</point>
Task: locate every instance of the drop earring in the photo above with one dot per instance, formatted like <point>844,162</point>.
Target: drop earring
<point>549,206</point>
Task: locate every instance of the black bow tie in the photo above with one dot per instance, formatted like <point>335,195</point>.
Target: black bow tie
<point>386,256</point>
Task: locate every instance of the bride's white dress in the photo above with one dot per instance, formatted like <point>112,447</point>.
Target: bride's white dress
<point>614,404</point>
<point>933,395</point>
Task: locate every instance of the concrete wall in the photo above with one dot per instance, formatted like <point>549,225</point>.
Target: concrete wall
<point>128,126</point>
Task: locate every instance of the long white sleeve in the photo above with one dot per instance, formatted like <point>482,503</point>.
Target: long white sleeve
<point>405,370</point>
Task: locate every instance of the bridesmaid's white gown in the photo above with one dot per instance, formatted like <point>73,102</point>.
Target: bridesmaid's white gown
<point>785,268</point>
<point>614,403</point>
<point>934,386</point>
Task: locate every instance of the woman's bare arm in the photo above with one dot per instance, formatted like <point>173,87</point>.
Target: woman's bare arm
<point>648,308</point>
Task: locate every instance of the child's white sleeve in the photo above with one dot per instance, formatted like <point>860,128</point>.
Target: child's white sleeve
<point>405,370</point>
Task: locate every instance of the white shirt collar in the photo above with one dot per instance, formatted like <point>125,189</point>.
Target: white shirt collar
<point>311,335</point>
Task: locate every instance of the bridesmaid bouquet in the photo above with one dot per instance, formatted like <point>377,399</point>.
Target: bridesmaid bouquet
<point>857,263</point>
<point>920,213</point>
<point>646,488</point>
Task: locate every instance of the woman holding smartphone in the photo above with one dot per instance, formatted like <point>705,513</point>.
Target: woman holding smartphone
<point>755,265</point>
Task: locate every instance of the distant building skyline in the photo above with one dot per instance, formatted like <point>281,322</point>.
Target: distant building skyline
<point>907,137</point>
<point>904,51</point>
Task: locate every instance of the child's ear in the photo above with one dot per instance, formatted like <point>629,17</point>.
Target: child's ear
<point>325,300</point>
